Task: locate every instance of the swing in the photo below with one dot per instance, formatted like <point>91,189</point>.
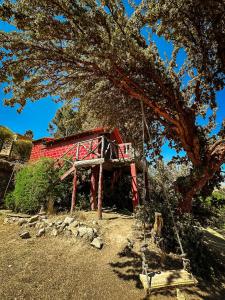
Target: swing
<point>170,278</point>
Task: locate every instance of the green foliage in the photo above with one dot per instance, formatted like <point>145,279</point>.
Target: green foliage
<point>5,133</point>
<point>34,185</point>
<point>10,201</point>
<point>21,149</point>
<point>67,121</point>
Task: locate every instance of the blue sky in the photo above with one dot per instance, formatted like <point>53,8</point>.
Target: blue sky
<point>36,116</point>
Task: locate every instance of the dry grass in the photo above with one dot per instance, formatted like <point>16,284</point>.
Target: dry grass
<point>67,268</point>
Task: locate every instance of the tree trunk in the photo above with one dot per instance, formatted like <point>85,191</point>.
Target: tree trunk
<point>191,185</point>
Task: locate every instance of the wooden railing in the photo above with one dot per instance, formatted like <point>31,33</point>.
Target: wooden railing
<point>99,148</point>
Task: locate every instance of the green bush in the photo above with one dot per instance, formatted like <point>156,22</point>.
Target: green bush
<point>21,149</point>
<point>34,185</point>
<point>38,183</point>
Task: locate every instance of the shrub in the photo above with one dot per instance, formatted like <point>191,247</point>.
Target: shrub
<point>34,184</point>
<point>21,149</point>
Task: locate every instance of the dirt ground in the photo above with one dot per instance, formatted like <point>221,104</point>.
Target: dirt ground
<point>60,268</point>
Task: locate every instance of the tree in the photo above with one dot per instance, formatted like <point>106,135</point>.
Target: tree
<point>66,121</point>
<point>97,52</point>
<point>29,133</point>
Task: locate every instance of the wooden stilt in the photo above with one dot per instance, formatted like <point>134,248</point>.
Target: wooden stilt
<point>100,185</point>
<point>73,201</point>
<point>134,184</point>
<point>94,177</point>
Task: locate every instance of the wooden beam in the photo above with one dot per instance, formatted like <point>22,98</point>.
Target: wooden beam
<point>73,200</point>
<point>94,181</point>
<point>134,184</point>
<point>67,173</point>
<point>89,162</point>
<point>100,185</point>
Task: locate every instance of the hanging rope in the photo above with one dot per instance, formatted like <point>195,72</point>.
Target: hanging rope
<point>10,179</point>
<point>185,261</point>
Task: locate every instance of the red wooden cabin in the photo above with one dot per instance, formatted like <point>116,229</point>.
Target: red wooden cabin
<point>97,149</point>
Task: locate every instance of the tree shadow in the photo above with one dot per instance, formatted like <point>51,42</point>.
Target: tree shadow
<point>129,265</point>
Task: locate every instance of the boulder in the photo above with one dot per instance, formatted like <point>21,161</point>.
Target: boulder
<point>48,222</point>
<point>33,224</point>
<point>40,225</point>
<point>21,222</point>
<point>40,232</point>
<point>25,235</point>
<point>68,220</point>
<point>33,219</point>
<point>97,243</point>
<point>58,223</point>
<point>73,228</point>
<point>6,221</point>
<point>86,232</point>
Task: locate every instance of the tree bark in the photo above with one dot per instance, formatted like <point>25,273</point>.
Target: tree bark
<point>216,157</point>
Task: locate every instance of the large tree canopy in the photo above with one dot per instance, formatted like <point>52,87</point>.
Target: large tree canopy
<point>100,53</point>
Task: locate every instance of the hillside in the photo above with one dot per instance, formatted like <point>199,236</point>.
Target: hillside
<point>68,268</point>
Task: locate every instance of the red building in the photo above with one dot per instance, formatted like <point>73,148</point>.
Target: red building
<point>98,149</point>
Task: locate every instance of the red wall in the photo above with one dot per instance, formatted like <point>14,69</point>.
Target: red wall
<point>58,148</point>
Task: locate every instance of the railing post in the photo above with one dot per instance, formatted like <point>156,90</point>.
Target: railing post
<point>100,192</point>
<point>134,184</point>
<point>77,152</point>
<point>73,201</point>
<point>102,147</point>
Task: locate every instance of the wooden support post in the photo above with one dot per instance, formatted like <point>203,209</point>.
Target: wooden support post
<point>94,181</point>
<point>73,201</point>
<point>134,184</point>
<point>100,185</point>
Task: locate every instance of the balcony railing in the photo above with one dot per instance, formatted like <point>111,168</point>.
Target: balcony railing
<point>100,148</point>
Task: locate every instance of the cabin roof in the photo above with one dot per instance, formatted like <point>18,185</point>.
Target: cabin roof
<point>100,130</point>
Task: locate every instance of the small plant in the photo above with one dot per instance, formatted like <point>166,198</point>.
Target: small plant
<point>10,201</point>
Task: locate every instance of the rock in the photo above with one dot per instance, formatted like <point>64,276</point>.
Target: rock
<point>86,232</point>
<point>42,217</point>
<point>97,243</point>
<point>48,223</point>
<point>33,224</point>
<point>58,223</point>
<point>40,225</point>
<point>73,228</point>
<point>54,232</point>
<point>33,219</point>
<point>68,220</point>
<point>21,222</point>
<point>42,211</point>
<point>6,221</point>
<point>40,232</point>
<point>25,235</point>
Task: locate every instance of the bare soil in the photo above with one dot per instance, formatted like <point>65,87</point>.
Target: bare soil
<point>68,268</point>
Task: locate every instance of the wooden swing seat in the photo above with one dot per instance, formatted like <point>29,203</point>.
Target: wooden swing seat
<point>168,279</point>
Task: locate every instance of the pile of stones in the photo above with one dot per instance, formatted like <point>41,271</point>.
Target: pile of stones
<point>69,227</point>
